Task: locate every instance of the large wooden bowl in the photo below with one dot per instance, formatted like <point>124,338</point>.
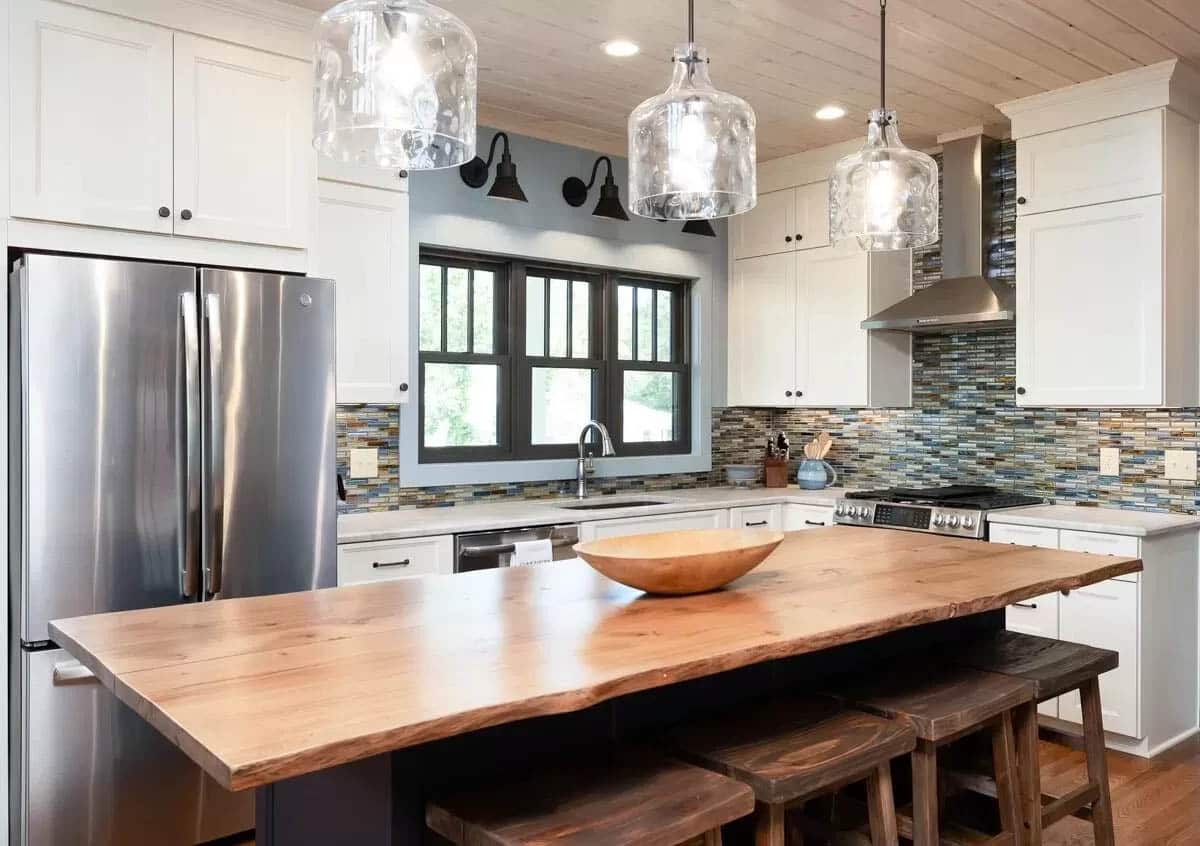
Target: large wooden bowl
<point>681,562</point>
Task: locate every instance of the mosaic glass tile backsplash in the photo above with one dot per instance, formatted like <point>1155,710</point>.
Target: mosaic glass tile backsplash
<point>964,426</point>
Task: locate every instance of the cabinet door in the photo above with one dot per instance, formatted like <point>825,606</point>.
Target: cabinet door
<point>244,165</point>
<point>1102,543</point>
<point>768,228</point>
<point>756,517</point>
<point>1089,305</point>
<point>797,517</point>
<point>1106,615</point>
<point>812,216</point>
<point>362,245</point>
<point>716,519</point>
<point>1099,162</point>
<point>381,561</point>
<point>91,118</point>
<point>762,331</point>
<point>831,302</point>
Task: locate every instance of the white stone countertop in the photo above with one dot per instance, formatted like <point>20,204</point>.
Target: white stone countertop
<point>1082,518</point>
<point>514,513</point>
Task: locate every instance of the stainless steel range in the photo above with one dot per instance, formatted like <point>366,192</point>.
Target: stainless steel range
<point>957,510</point>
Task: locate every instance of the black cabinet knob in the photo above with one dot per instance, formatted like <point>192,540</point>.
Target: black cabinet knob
<point>799,237</point>
<point>403,386</point>
<point>1021,391</point>
<point>163,211</point>
<point>787,393</point>
<point>186,214</point>
<point>787,238</point>
<point>799,393</point>
<point>1021,201</point>
<point>403,174</point>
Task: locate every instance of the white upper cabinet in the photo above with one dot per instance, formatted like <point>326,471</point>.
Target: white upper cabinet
<point>243,161</point>
<point>762,331</point>
<point>783,222</point>
<point>362,244</point>
<point>1089,305</point>
<point>91,118</point>
<point>831,346</point>
<point>124,125</point>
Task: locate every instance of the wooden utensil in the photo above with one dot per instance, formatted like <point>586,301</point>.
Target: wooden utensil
<point>680,562</point>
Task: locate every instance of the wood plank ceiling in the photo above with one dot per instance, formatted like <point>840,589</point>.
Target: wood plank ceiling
<point>543,73</point>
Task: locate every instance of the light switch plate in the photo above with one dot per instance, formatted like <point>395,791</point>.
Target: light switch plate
<point>1110,461</point>
<point>1180,464</point>
<point>364,463</point>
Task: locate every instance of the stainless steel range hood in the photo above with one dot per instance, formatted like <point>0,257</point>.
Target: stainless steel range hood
<point>965,298</point>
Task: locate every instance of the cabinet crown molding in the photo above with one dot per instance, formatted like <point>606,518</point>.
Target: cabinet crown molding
<point>1171,84</point>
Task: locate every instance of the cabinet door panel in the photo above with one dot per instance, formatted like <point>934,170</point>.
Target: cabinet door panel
<point>716,519</point>
<point>832,300</point>
<point>1037,616</point>
<point>1106,615</point>
<point>362,245</point>
<point>756,517</point>
<point>91,109</point>
<point>244,165</point>
<point>767,228</point>
<point>762,331</point>
<point>812,216</point>
<point>797,517</point>
<point>1089,305</point>
<point>381,561</point>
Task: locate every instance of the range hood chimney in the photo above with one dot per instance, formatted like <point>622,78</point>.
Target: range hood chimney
<point>965,298</point>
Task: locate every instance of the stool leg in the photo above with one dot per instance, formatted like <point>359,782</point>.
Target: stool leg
<point>1030,773</point>
<point>712,838</point>
<point>881,807</point>
<point>1004,761</point>
<point>1097,763</point>
<point>925,794</point>
<point>770,825</point>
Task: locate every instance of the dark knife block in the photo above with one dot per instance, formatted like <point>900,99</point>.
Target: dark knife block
<point>775,472</point>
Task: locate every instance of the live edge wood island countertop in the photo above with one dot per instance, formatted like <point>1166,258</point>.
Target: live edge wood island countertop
<point>262,689</point>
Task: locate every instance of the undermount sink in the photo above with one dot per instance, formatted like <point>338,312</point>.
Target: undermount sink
<point>624,503</point>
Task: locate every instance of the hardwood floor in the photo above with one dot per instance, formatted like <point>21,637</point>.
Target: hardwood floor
<point>1155,803</point>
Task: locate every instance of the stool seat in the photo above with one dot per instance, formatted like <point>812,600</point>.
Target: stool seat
<point>623,798</point>
<point>940,704</point>
<point>1053,666</point>
<point>794,748</point>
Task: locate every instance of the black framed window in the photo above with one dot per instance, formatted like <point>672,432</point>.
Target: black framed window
<point>517,355</point>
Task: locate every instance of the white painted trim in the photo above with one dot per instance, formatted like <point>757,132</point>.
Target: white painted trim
<point>806,167</point>
<point>1119,742</point>
<point>5,6</point>
<point>41,235</point>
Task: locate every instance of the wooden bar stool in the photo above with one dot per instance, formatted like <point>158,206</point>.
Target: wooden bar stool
<point>1054,667</point>
<point>944,705</point>
<point>627,797</point>
<point>793,750</point>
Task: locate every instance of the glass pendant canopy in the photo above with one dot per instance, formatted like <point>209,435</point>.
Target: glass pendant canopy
<point>692,148</point>
<point>395,85</point>
<point>885,196</point>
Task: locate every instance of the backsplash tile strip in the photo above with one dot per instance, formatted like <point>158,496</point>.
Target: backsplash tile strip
<point>964,426</point>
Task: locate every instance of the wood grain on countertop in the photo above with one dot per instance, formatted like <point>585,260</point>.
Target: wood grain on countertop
<point>261,689</point>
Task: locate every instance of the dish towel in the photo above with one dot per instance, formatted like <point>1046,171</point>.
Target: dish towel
<point>532,552</point>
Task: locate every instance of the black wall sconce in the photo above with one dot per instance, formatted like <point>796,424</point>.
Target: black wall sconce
<point>700,227</point>
<point>575,192</point>
<point>506,187</point>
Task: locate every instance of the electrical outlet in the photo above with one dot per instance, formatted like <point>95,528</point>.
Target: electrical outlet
<point>1110,461</point>
<point>1180,464</point>
<point>364,463</point>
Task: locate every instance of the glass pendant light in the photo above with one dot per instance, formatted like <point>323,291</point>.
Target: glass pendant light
<point>885,196</point>
<point>395,85</point>
<point>692,148</point>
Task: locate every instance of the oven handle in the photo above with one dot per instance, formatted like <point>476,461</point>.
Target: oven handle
<point>507,548</point>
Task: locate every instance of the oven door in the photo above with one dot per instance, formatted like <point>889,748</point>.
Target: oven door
<point>489,550</point>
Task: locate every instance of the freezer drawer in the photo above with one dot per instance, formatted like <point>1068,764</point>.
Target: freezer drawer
<point>96,773</point>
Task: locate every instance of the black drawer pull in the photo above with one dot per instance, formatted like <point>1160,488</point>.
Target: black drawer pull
<point>377,564</point>
<point>814,523</point>
<point>1030,605</point>
<point>757,523</point>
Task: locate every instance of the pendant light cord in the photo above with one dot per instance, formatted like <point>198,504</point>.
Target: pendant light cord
<point>691,21</point>
<point>882,54</point>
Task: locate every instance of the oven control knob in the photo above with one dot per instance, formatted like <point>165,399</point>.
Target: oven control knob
<point>938,520</point>
<point>864,512</point>
<point>840,510</point>
<point>968,523</point>
<point>953,522</point>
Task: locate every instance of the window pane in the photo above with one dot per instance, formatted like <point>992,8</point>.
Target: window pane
<point>624,322</point>
<point>484,315</point>
<point>663,353</point>
<point>649,407</point>
<point>535,315</point>
<point>580,319</point>
<point>431,307</point>
<point>645,324</point>
<point>460,404</point>
<point>457,290</point>
<point>560,404</point>
<point>558,317</point>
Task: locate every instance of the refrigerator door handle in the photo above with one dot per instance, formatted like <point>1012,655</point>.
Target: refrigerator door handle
<point>189,536</point>
<point>72,672</point>
<point>216,445</point>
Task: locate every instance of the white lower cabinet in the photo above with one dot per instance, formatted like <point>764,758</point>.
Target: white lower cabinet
<point>381,561</point>
<point>1106,615</point>
<point>715,519</point>
<point>1037,616</point>
<point>756,517</point>
<point>797,517</point>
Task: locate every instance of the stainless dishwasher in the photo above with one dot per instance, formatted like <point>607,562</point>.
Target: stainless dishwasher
<point>489,550</point>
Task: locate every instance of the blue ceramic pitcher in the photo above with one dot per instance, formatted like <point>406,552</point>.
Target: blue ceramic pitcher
<point>814,474</point>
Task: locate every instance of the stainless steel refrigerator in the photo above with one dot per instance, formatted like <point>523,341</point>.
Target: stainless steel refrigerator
<point>172,441</point>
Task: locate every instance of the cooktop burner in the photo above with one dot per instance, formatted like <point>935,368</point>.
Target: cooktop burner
<point>979,497</point>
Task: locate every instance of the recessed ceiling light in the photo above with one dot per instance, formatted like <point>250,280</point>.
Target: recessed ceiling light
<point>621,48</point>
<point>830,113</point>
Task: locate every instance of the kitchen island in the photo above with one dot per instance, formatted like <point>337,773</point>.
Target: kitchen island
<point>346,707</point>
